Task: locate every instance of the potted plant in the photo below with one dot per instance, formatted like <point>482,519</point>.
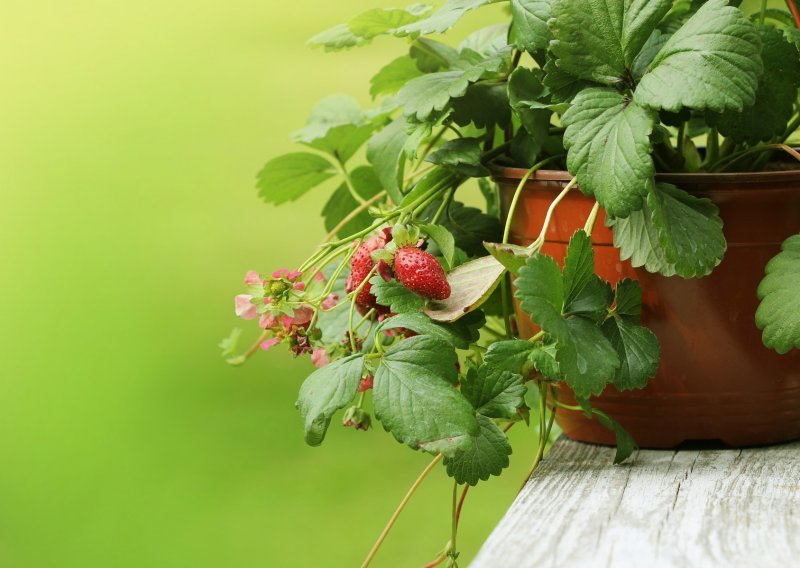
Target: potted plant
<point>608,141</point>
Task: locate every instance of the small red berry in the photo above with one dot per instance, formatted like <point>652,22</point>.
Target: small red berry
<point>360,266</point>
<point>420,272</point>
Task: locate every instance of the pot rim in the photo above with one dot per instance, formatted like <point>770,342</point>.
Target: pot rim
<point>739,178</point>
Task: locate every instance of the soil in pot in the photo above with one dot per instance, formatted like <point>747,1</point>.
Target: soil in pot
<point>716,381</point>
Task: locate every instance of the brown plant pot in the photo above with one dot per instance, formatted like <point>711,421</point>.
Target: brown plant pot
<point>716,381</point>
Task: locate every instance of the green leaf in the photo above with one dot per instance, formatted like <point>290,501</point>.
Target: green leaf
<point>626,445</point>
<point>563,85</point>
<point>485,455</point>
<point>778,314</point>
<point>494,392</point>
<point>415,400</point>
<point>444,240</point>
<point>540,289</point>
<point>432,56</point>
<point>385,151</point>
<point>471,284</point>
<point>337,38</point>
<point>463,155</point>
<point>510,355</point>
<point>584,292</point>
<point>711,62</point>
<point>484,105</point>
<point>486,41</point>
<point>675,233</point>
<point>689,229</point>
<point>379,21</point>
<point>777,91</point>
<point>529,31</point>
<point>342,203</point>
<point>544,360</point>
<point>471,228</point>
<point>608,138</point>
<point>599,40</point>
<point>336,126</point>
<point>230,343</point>
<point>423,96</point>
<point>397,297</point>
<point>459,334</point>
<point>629,299</point>
<point>443,19</point>
<point>393,76</point>
<point>325,391</point>
<point>638,351</point>
<point>586,358</point>
<point>513,257</point>
<point>288,177</point>
<point>649,51</point>
<point>525,94</point>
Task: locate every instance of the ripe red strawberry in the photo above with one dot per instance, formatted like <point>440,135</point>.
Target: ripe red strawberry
<point>360,266</point>
<point>420,272</point>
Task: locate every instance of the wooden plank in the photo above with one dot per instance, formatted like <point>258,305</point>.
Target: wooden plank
<point>690,508</point>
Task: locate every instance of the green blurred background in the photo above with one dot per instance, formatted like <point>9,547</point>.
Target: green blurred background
<point>131,135</point>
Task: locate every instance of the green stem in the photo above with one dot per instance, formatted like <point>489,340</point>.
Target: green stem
<point>590,222</point>
<point>515,200</point>
<point>506,306</point>
<point>453,552</point>
<point>794,124</point>
<point>353,214</point>
<point>349,182</point>
<point>712,146</point>
<point>762,16</point>
<point>443,206</point>
<point>399,510</point>
<point>537,244</point>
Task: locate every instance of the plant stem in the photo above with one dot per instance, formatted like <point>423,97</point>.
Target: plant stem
<point>795,11</point>
<point>453,552</point>
<point>794,124</point>
<point>513,207</point>
<point>590,222</point>
<point>353,214</point>
<point>349,182</point>
<point>399,510</point>
<point>241,359</point>
<point>712,146</point>
<point>541,238</point>
<point>755,150</point>
<point>443,206</point>
<point>544,434</point>
<point>762,16</point>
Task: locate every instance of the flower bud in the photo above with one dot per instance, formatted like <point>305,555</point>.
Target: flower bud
<point>356,417</point>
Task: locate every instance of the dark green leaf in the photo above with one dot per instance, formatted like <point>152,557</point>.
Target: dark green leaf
<point>288,177</point>
<point>779,312</point>
<point>638,351</point>
<point>493,392</point>
<point>432,56</point>
<point>626,445</point>
<point>529,30</point>
<point>584,292</point>
<point>393,76</point>
<point>711,62</point>
<point>608,138</point>
<point>648,53</point>
<point>327,390</point>
<point>586,358</point>
<point>385,152</point>
<point>462,155</point>
<point>485,455</point>
<point>510,355</point>
<point>540,290</point>
<point>777,91</point>
<point>444,241</point>
<point>675,233</point>
<point>471,228</point>
<point>484,105</point>
<point>525,94</point>
<point>598,41</point>
<point>563,85</point>
<point>397,297</point>
<point>416,401</point>
<point>629,299</point>
<point>342,203</point>
<point>459,334</point>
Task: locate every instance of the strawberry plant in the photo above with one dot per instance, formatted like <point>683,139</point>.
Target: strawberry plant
<point>407,302</point>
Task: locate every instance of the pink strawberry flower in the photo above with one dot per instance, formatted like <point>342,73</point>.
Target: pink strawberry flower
<point>330,302</point>
<point>252,277</point>
<point>244,306</point>
<point>320,358</point>
<point>270,343</point>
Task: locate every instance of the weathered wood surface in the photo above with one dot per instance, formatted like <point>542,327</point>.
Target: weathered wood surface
<point>690,508</point>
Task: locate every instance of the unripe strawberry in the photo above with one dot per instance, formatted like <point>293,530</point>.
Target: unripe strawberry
<point>421,273</point>
<point>360,266</point>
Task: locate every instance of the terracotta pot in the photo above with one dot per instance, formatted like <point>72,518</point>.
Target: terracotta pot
<point>717,381</point>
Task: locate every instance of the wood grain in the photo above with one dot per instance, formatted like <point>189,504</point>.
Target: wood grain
<point>688,508</point>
